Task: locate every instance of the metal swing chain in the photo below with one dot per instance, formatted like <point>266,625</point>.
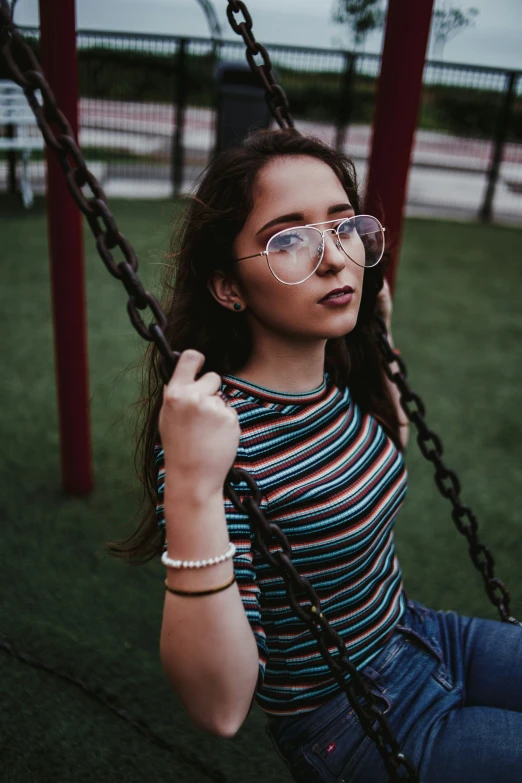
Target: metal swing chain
<point>446,479</point>
<point>275,96</point>
<point>26,71</point>
<point>358,692</point>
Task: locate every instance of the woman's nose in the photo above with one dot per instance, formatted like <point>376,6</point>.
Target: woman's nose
<point>333,254</point>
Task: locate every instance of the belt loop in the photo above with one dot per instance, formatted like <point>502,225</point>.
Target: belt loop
<point>428,645</point>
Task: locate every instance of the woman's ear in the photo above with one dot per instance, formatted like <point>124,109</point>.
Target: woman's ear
<point>224,290</point>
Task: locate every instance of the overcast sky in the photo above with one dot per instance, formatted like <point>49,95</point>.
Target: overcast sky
<point>495,40</point>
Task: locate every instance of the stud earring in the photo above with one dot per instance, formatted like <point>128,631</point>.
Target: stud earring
<point>237,306</point>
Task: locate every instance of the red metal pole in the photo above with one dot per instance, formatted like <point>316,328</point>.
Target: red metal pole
<point>395,118</point>
<point>58,58</point>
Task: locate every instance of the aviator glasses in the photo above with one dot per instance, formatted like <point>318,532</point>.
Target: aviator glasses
<point>294,254</point>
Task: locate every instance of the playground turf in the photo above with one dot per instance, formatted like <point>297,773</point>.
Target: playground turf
<point>69,607</point>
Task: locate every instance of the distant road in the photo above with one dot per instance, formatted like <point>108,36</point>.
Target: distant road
<point>147,128</point>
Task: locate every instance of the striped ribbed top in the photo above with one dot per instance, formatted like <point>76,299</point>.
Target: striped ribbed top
<point>333,481</point>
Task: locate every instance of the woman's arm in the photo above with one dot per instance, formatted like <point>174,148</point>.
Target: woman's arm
<point>207,648</point>
<point>383,308</point>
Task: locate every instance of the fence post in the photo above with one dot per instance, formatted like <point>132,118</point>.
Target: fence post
<point>344,114</point>
<point>499,140</point>
<point>180,99</point>
<point>11,161</point>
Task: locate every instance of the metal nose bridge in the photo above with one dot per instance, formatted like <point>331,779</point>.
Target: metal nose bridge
<point>336,240</point>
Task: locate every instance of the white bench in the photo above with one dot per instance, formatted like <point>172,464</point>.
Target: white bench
<point>15,111</point>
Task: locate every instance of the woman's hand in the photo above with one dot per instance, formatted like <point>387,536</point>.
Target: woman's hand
<point>383,305</point>
<point>199,432</point>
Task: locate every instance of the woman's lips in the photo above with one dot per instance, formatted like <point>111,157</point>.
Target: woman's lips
<point>337,301</point>
<point>345,289</point>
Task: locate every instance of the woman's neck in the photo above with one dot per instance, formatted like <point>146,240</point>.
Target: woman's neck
<point>283,378</point>
<point>284,365</point>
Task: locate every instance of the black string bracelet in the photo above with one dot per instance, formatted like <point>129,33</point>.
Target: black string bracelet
<point>200,592</point>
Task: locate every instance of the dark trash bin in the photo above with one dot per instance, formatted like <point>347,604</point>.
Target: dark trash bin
<point>241,105</point>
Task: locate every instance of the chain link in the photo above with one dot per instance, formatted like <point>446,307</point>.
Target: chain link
<point>269,540</point>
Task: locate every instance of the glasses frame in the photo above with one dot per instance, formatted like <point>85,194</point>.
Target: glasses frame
<point>322,244</point>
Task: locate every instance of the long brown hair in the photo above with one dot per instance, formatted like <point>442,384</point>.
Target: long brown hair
<point>203,243</point>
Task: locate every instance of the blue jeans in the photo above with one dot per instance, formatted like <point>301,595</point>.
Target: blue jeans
<point>451,690</point>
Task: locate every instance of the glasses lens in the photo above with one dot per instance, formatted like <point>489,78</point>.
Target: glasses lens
<point>294,254</point>
<point>362,239</point>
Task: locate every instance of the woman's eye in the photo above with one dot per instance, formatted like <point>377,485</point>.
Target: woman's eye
<point>285,241</point>
<point>346,228</point>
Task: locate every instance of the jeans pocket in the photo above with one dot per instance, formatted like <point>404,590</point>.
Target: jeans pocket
<point>289,735</point>
<point>338,749</point>
<point>339,745</point>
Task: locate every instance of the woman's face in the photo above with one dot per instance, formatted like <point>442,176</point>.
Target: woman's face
<point>292,191</point>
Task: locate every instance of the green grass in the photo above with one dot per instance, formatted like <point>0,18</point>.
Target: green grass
<point>64,602</point>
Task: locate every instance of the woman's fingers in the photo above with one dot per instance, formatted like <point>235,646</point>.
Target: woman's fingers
<point>209,383</point>
<point>189,364</point>
<point>199,432</point>
<point>187,368</point>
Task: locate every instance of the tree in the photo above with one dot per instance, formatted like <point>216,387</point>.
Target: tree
<point>361,16</point>
<point>447,22</point>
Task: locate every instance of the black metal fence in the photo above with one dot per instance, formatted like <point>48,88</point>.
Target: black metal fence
<point>148,117</point>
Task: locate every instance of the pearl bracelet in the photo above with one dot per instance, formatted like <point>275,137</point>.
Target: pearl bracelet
<point>168,561</point>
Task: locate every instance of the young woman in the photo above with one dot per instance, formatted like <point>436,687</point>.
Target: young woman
<point>282,377</point>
